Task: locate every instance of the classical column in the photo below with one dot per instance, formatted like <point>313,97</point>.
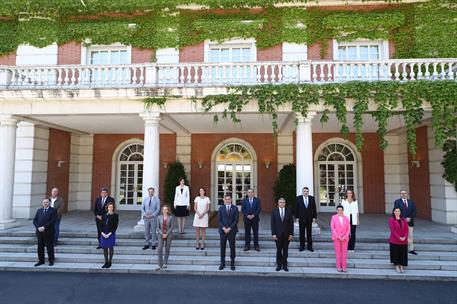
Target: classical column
<point>304,153</point>
<point>8,125</point>
<point>151,152</point>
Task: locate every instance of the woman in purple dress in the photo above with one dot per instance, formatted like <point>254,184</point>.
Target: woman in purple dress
<point>109,225</point>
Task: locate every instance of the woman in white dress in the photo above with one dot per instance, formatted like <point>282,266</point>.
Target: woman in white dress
<point>351,210</point>
<point>201,208</point>
<point>182,204</point>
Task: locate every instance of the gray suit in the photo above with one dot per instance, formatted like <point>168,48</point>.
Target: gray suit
<point>151,208</point>
<point>167,242</point>
<point>58,205</point>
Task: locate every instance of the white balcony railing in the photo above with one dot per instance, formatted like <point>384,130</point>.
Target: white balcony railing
<point>223,74</point>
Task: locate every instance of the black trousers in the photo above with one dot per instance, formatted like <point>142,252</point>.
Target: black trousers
<point>98,223</point>
<point>282,250</point>
<point>45,239</point>
<point>231,239</point>
<point>254,225</point>
<point>351,244</point>
<point>308,226</point>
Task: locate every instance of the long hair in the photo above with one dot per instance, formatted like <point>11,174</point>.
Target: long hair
<point>353,195</point>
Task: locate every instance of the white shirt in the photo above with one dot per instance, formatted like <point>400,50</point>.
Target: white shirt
<point>351,208</point>
<point>53,201</point>
<point>341,220</point>
<point>281,213</point>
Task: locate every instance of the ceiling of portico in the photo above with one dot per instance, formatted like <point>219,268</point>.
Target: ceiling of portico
<point>200,123</point>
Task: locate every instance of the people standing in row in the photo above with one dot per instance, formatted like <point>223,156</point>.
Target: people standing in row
<point>57,203</point>
<point>305,211</point>
<point>100,209</point>
<point>340,235</point>
<point>201,207</point>
<point>250,207</point>
<point>109,224</point>
<point>228,219</point>
<point>351,210</point>
<point>408,212</point>
<point>182,204</point>
<point>151,209</point>
<point>165,235</point>
<point>44,221</point>
<point>398,240</point>
<point>282,231</point>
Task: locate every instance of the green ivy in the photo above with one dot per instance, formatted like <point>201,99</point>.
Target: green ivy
<point>450,162</point>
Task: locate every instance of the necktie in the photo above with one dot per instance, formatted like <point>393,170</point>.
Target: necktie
<point>45,209</point>
<point>228,209</point>
<point>250,202</point>
<point>405,202</point>
<point>150,202</point>
<point>306,202</point>
<point>103,201</point>
<point>282,214</point>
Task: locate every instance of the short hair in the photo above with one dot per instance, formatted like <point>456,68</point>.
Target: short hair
<point>305,188</point>
<point>104,189</point>
<point>228,195</point>
<point>151,188</point>
<point>55,188</point>
<point>166,207</point>
<point>201,188</point>
<point>250,189</point>
<point>112,204</point>
<point>45,199</point>
<point>281,199</point>
<point>180,179</point>
<point>353,194</point>
<point>340,207</point>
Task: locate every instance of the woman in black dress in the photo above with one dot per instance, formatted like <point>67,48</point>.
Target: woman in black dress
<point>109,225</point>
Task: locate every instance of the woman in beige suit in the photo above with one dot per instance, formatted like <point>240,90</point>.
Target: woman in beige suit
<point>164,235</point>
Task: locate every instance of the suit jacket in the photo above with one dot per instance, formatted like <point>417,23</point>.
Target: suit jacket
<point>45,219</point>
<point>58,205</point>
<point>154,209</point>
<point>228,220</point>
<point>340,230</point>
<point>280,227</point>
<point>182,199</point>
<point>397,231</point>
<point>304,213</point>
<point>407,212</point>
<point>159,226</point>
<point>110,222</point>
<point>246,208</point>
<point>99,209</point>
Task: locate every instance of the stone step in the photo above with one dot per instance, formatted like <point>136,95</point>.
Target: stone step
<point>215,243</point>
<point>241,261</point>
<point>214,251</point>
<point>311,272</point>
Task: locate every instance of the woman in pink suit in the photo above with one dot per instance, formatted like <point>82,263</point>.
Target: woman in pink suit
<point>398,240</point>
<point>340,236</point>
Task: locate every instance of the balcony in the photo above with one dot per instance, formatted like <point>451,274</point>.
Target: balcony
<point>222,74</point>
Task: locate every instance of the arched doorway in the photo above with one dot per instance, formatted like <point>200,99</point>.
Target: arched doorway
<point>234,171</point>
<point>337,172</point>
<point>130,177</point>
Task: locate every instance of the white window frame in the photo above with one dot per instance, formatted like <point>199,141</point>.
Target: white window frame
<point>86,51</point>
<point>383,46</point>
<point>235,43</point>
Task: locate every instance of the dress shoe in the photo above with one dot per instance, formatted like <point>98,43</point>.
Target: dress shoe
<point>413,252</point>
<point>301,249</point>
<point>285,268</point>
<point>99,247</point>
<point>311,249</point>
<point>232,267</point>
<point>246,248</point>
<point>222,266</point>
<point>278,268</point>
<point>51,263</point>
<point>104,265</point>
<point>257,248</point>
<point>38,264</point>
<point>145,247</point>
<point>153,247</point>
<point>108,265</point>
<point>165,266</point>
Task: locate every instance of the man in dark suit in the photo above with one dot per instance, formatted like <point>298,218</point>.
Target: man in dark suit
<point>408,212</point>
<point>100,209</point>
<point>43,221</point>
<point>305,211</point>
<point>282,231</point>
<point>250,207</point>
<point>228,219</point>
<point>56,202</point>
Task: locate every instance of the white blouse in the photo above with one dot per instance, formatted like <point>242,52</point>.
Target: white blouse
<point>351,208</point>
<point>182,199</point>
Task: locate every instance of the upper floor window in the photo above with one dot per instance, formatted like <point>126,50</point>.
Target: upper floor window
<point>231,51</point>
<point>359,52</point>
<point>107,54</point>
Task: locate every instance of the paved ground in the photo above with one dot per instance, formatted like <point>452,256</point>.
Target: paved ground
<point>49,288</point>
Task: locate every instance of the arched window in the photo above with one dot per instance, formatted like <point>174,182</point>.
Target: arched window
<point>234,170</point>
<point>337,173</point>
<point>130,177</point>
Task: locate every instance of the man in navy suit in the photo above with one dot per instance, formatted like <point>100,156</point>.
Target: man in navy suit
<point>228,219</point>
<point>305,211</point>
<point>250,207</point>
<point>408,212</point>
<point>282,231</point>
<point>100,209</point>
<point>44,221</point>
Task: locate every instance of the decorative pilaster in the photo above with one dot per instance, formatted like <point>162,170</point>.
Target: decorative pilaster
<point>304,153</point>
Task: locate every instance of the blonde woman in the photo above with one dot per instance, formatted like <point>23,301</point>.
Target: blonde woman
<point>201,208</point>
<point>182,204</point>
<point>164,235</point>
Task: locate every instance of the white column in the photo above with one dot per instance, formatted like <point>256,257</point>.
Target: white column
<point>8,126</point>
<point>304,153</point>
<point>151,163</point>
